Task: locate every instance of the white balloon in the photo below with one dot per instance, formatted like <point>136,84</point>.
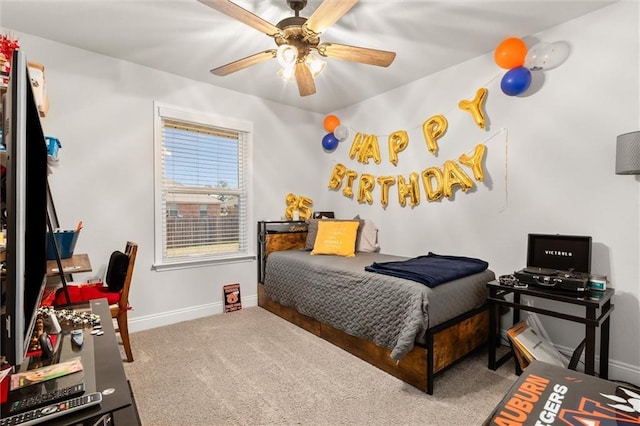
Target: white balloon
<point>341,132</point>
<point>557,55</point>
<point>535,56</point>
<point>545,55</point>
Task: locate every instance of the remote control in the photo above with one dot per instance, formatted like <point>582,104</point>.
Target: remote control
<point>50,412</point>
<point>46,399</point>
<point>77,337</point>
<point>45,345</point>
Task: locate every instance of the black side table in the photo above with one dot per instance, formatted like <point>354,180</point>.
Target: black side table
<point>598,310</point>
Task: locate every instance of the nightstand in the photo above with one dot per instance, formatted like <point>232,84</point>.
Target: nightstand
<point>597,314</point>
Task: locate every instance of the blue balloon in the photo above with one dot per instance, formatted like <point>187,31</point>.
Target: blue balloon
<point>329,142</point>
<point>516,81</point>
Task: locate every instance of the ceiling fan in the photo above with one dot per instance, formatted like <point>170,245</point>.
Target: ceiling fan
<point>297,37</point>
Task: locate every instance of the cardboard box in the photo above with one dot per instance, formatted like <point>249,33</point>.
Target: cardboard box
<point>546,394</point>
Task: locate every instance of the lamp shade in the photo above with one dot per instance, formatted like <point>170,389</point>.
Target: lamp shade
<point>628,154</point>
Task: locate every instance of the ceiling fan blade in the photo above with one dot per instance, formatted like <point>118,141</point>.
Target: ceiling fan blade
<point>244,62</point>
<point>306,86</point>
<point>327,14</point>
<point>243,15</point>
<point>381,58</point>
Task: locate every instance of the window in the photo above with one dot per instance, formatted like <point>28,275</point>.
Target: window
<point>201,179</point>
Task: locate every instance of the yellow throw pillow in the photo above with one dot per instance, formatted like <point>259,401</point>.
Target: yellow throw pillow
<point>337,238</point>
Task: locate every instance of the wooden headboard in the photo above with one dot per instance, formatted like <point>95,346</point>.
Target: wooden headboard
<point>278,236</point>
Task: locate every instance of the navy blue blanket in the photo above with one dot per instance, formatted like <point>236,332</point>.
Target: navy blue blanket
<point>430,270</point>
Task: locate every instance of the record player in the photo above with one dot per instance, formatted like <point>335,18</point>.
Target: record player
<point>576,282</point>
<point>557,262</point>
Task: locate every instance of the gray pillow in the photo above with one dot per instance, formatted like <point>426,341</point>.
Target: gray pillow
<point>312,232</point>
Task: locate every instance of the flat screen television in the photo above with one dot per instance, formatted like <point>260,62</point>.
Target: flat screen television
<point>26,213</point>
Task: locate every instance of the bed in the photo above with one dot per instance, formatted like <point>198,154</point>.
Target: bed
<point>404,327</point>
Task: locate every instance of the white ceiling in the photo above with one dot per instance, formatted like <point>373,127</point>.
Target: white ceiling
<point>187,38</point>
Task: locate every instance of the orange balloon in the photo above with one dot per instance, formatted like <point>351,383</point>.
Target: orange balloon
<point>510,53</point>
<point>331,121</point>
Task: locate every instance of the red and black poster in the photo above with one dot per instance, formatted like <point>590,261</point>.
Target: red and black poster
<point>232,300</point>
<point>549,395</point>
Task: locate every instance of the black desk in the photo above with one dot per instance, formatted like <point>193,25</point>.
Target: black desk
<point>598,310</point>
<point>102,372</point>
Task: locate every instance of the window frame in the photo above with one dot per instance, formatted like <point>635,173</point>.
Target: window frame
<point>162,111</point>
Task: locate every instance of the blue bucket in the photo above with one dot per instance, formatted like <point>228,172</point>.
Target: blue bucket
<point>66,241</point>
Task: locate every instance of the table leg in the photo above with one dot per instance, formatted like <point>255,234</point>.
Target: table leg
<point>590,347</point>
<point>493,331</point>
<point>604,344</point>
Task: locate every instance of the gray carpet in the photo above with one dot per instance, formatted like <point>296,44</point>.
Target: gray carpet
<point>251,367</point>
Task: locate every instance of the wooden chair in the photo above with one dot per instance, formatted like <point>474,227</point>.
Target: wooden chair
<point>120,310</point>
<point>118,300</point>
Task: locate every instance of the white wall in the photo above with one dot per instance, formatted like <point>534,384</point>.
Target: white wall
<point>559,175</point>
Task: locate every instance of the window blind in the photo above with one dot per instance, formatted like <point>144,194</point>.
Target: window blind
<point>203,190</point>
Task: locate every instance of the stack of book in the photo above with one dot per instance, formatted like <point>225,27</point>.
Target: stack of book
<point>528,346</point>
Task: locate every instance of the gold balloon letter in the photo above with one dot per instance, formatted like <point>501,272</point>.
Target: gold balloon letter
<point>335,182</point>
<point>370,149</point>
<point>292,204</point>
<point>348,189</point>
<point>356,145</point>
<point>366,147</point>
<point>398,141</point>
<point>454,175</point>
<point>475,161</point>
<point>367,183</point>
<point>385,182</point>
<point>304,207</point>
<point>434,192</point>
<point>433,129</point>
<point>411,190</point>
<point>474,107</point>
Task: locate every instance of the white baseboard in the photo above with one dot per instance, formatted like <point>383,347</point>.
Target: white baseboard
<point>193,312</point>
<point>617,370</point>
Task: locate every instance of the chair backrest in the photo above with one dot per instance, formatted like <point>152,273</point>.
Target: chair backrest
<point>130,250</point>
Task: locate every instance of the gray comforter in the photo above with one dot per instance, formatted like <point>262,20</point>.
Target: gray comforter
<point>392,312</point>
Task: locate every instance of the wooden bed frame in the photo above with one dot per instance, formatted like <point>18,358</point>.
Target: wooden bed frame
<point>446,344</point>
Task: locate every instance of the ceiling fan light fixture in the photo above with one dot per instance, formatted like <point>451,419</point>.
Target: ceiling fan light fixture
<point>315,64</point>
<point>287,55</point>
<point>287,73</point>
<point>296,37</point>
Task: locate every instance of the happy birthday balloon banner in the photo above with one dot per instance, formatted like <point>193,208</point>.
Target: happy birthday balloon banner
<point>437,182</point>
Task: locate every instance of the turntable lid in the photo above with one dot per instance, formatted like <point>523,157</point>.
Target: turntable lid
<point>563,252</point>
